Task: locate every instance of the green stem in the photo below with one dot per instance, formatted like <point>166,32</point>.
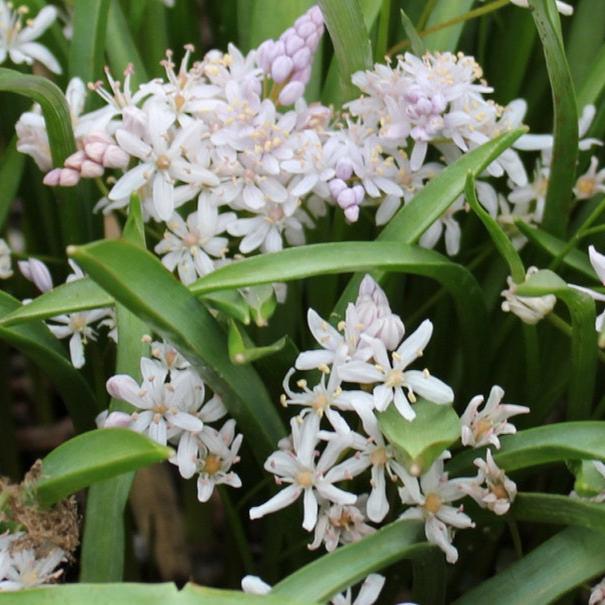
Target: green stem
<point>516,537</point>
<point>473,14</point>
<point>564,327</point>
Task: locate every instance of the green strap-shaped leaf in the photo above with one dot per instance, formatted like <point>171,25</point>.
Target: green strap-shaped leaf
<point>565,150</point>
<point>54,108</point>
<point>139,594</point>
<point>416,42</point>
<point>102,558</point>
<point>584,349</point>
<point>567,560</point>
<point>558,510</point>
<point>140,282</point>
<point>541,445</point>
<point>445,10</point>
<point>94,456</point>
<point>594,83</point>
<point>575,259</point>
<point>36,342</point>
<point>323,578</point>
<point>11,171</point>
<point>88,41</point>
<point>352,46</point>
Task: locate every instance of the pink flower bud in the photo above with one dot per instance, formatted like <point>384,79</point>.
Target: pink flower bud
<point>115,157</point>
<point>69,177</point>
<point>281,69</point>
<point>302,75</point>
<point>264,55</point>
<point>302,58</point>
<point>344,169</point>
<point>36,272</point>
<point>336,187</point>
<point>91,170</point>
<point>313,40</point>
<point>293,43</point>
<point>306,29</point>
<point>74,161</point>
<point>360,193</point>
<point>51,179</point>
<point>291,93</point>
<point>346,198</point>
<point>316,15</point>
<point>122,387</point>
<point>95,150</point>
<point>117,420</point>
<point>352,214</point>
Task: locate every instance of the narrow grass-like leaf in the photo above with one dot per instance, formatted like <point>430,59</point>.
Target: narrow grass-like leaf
<point>558,510</point>
<point>36,342</point>
<point>542,445</point>
<point>323,578</point>
<point>139,594</point>
<point>352,46</point>
<point>500,239</point>
<point>141,283</point>
<point>270,18</point>
<point>121,48</point>
<point>102,558</point>
<point>94,456</point>
<point>445,10</point>
<point>563,562</point>
<point>11,171</point>
<point>416,42</point>
<point>594,83</point>
<point>584,347</point>
<point>565,150</point>
<point>86,51</point>
<point>575,259</point>
<point>54,108</point>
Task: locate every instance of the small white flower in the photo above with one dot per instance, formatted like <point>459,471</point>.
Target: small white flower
<point>530,309</point>
<point>431,498</point>
<point>391,375</point>
<point>305,476</point>
<point>479,428</point>
<point>493,489</point>
<point>597,260</point>
<point>254,585</point>
<point>36,272</point>
<point>6,270</point>
<point>597,594</point>
<point>26,570</point>
<point>591,182</point>
<point>368,593</point>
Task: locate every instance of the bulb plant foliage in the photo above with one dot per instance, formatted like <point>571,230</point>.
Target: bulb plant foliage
<point>301,303</point>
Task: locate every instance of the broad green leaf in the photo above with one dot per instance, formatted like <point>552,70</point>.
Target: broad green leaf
<point>419,443</point>
<point>121,48</point>
<point>541,445</point>
<point>565,150</point>
<point>79,295</point>
<point>352,46</point>
<point>575,259</point>
<point>416,42</point>
<point>94,456</point>
<point>500,239</point>
<point>11,171</point>
<point>558,510</point>
<point>102,558</point>
<point>140,282</point>
<point>445,10</point>
<point>240,352</point>
<point>337,258</point>
<point>86,56</point>
<point>36,342</point>
<point>54,108</point>
<point>138,594</point>
<point>323,578</point>
<point>563,562</point>
<point>584,349</point>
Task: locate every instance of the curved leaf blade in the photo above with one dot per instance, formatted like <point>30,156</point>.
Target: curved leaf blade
<point>568,559</point>
<point>92,457</point>
<point>148,290</point>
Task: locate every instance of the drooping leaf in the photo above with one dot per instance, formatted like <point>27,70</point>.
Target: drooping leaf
<point>419,443</point>
<point>140,282</point>
<point>565,150</point>
<point>91,457</point>
<point>36,342</point>
<point>563,562</point>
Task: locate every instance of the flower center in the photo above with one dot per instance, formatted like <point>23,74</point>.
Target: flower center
<point>499,491</point>
<point>344,521</point>
<point>394,378</point>
<point>432,503</point>
<point>379,457</point>
<point>305,478</point>
<point>163,162</point>
<point>212,464</point>
<point>320,403</point>
<point>78,322</point>
<point>482,427</point>
<point>191,240</point>
<point>586,186</point>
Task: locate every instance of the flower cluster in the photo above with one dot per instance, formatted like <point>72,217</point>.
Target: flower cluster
<point>171,407</point>
<point>369,348</point>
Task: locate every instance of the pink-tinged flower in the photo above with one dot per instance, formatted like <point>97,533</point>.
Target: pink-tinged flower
<point>430,498</point>
<point>36,272</point>
<point>306,476</point>
<point>597,594</point>
<point>482,427</point>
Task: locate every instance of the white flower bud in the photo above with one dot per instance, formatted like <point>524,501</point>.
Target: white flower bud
<point>36,272</point>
